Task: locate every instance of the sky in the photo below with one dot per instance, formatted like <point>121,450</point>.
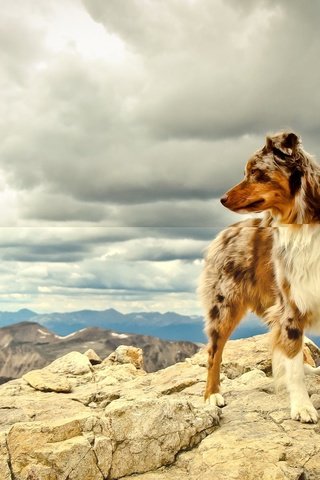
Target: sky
<point>122,124</point>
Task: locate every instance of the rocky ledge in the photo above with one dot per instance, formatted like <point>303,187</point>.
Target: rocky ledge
<point>82,419</point>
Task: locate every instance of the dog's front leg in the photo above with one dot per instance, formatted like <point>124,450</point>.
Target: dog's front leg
<point>288,325</point>
<point>301,405</point>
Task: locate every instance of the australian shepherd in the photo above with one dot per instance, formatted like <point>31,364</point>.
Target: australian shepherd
<point>269,265</point>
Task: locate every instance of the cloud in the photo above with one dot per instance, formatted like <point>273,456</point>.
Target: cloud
<point>122,123</point>
<point>218,70</point>
<point>61,208</point>
<point>61,268</point>
<point>156,250</point>
<point>197,87</point>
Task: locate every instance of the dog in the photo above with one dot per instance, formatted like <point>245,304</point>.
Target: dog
<point>269,265</point>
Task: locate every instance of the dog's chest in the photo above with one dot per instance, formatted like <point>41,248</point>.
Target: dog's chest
<point>299,258</point>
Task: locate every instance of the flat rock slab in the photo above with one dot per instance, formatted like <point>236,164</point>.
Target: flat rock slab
<point>45,381</point>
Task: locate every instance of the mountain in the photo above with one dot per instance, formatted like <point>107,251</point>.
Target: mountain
<point>7,318</point>
<point>29,345</point>
<point>168,326</point>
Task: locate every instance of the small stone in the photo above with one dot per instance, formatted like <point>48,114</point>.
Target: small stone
<point>251,376</point>
<point>93,357</point>
<point>126,354</point>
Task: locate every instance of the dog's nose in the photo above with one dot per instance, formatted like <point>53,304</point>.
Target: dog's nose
<point>224,199</point>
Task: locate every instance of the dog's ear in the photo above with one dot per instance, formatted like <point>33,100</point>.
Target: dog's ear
<point>285,143</point>
<point>290,142</point>
<point>269,144</point>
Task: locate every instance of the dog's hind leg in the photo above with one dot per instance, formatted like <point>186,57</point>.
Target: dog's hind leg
<point>221,321</point>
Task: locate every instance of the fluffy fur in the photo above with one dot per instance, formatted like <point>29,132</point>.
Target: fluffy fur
<point>270,266</point>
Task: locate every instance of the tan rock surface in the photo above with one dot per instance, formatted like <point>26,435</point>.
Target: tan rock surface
<point>124,354</point>
<point>74,363</point>
<point>46,381</point>
<point>119,422</point>
<point>93,357</point>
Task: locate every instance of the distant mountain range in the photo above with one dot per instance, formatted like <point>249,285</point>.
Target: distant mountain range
<point>29,340</point>
<point>168,326</point>
<point>28,345</point>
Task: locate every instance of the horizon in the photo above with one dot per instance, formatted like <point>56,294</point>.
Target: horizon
<point>191,329</point>
<point>251,325</point>
<point>97,310</point>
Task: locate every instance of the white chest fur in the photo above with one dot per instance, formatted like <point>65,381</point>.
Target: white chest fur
<point>299,248</point>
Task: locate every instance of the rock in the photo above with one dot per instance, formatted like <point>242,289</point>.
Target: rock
<point>307,357</point>
<point>62,444</point>
<point>240,356</point>
<point>74,363</point>
<point>149,433</point>
<point>4,459</point>
<point>54,377</point>
<point>124,354</point>
<point>119,421</point>
<point>315,398</point>
<point>46,381</point>
<point>311,352</point>
<point>93,357</point>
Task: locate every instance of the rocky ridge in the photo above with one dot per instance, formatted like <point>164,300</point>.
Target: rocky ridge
<point>28,345</point>
<point>77,420</point>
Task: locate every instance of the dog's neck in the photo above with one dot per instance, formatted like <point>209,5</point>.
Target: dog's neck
<point>311,193</point>
<point>305,208</point>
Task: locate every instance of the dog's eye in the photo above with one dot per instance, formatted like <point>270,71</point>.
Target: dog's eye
<point>253,171</point>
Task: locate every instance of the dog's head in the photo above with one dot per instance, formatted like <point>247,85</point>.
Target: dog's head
<point>272,178</point>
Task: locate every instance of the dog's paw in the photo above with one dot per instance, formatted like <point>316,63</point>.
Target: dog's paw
<point>215,399</point>
<point>306,413</point>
